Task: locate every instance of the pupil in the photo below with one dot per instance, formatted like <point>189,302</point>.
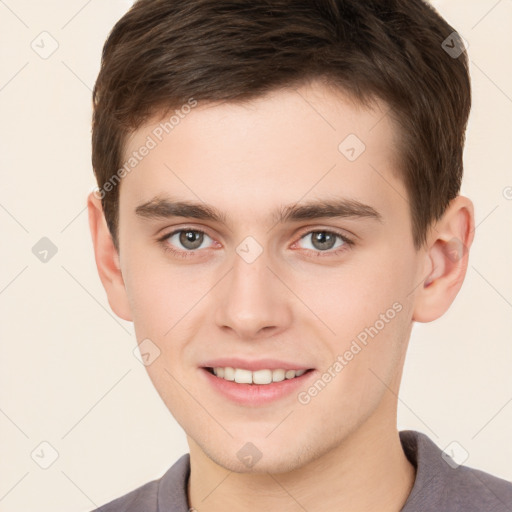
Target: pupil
<point>191,239</point>
<point>323,240</point>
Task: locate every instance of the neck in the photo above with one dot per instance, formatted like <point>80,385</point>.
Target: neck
<point>367,472</point>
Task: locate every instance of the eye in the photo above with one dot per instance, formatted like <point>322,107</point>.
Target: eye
<point>323,241</point>
<point>184,242</point>
<point>187,239</point>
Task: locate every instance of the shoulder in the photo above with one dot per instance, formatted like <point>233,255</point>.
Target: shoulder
<point>144,498</point>
<point>165,494</point>
<point>477,490</point>
<point>441,484</point>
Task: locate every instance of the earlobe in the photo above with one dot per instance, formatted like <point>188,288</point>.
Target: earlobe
<point>446,260</point>
<point>107,259</point>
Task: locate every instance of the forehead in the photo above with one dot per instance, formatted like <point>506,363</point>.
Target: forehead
<point>289,145</point>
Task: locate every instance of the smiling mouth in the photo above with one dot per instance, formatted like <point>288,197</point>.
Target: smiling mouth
<point>258,377</point>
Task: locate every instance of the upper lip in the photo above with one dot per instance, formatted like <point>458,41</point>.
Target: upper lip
<point>254,365</point>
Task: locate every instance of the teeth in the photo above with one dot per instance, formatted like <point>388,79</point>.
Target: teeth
<point>262,377</point>
<point>229,373</point>
<point>278,375</point>
<point>242,376</point>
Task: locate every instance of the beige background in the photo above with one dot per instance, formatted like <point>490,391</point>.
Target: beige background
<point>68,374</point>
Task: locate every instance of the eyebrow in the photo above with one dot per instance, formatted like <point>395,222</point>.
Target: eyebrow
<point>164,208</point>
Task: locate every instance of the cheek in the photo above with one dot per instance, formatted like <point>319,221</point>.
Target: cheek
<point>162,301</point>
<point>349,298</point>
<point>361,371</point>
<point>160,294</point>
<point>368,306</point>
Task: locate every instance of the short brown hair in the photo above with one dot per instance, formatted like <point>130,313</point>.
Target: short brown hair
<point>161,53</point>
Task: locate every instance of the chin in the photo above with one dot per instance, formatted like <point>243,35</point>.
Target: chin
<point>246,457</point>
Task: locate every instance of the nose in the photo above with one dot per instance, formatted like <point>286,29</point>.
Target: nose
<point>252,302</point>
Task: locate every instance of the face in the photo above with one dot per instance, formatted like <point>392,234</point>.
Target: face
<point>263,238</point>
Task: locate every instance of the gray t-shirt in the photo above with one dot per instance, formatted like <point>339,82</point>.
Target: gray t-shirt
<point>438,487</point>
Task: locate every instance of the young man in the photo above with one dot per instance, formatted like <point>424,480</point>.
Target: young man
<point>278,202</point>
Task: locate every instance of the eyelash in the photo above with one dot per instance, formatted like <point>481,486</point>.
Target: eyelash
<point>348,243</point>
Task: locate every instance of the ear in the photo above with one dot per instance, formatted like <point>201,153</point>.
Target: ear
<point>446,260</point>
<point>107,259</point>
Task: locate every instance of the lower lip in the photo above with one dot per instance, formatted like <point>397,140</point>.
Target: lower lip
<point>256,394</point>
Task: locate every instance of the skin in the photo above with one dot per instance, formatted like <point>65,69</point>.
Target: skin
<point>295,302</point>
